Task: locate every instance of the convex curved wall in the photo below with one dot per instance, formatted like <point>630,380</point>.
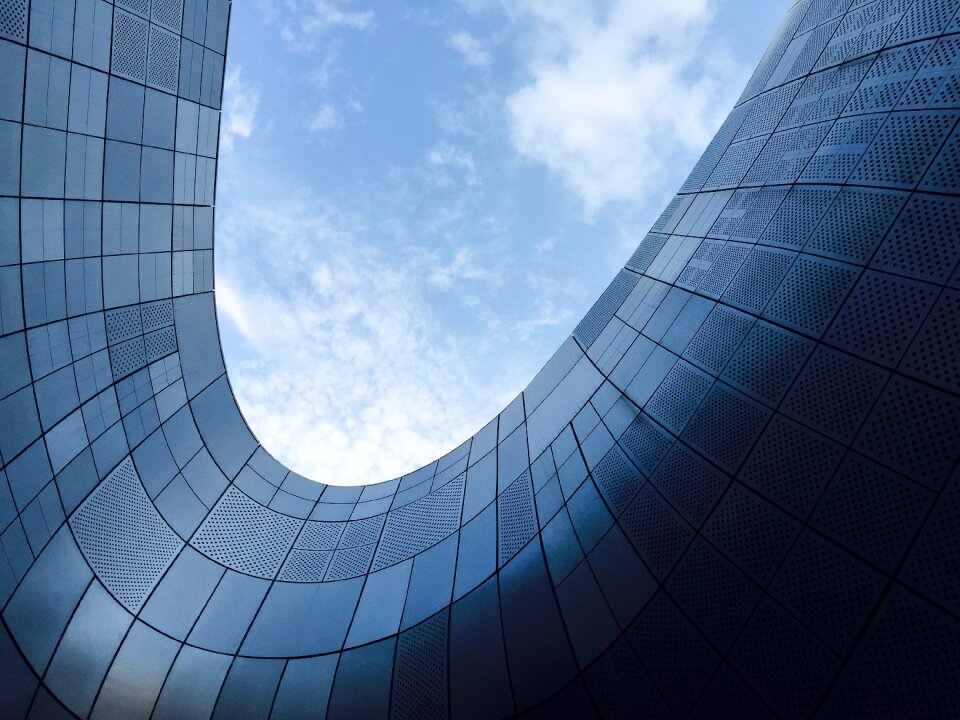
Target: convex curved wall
<point>733,492</point>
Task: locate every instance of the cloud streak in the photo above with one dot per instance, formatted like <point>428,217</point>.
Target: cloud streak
<point>617,91</point>
<point>241,102</point>
<point>382,388</point>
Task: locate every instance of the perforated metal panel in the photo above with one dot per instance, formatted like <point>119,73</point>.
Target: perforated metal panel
<point>245,536</point>
<point>129,46</point>
<point>13,19</point>
<point>123,536</point>
<point>516,520</point>
<point>752,512</point>
<point>601,312</point>
<point>420,524</point>
<point>421,668</point>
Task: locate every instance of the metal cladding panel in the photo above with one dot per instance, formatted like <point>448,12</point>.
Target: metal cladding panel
<point>733,492</point>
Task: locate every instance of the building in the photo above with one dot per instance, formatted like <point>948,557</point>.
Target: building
<point>733,491</point>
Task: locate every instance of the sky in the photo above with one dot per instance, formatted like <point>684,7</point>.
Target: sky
<point>417,201</point>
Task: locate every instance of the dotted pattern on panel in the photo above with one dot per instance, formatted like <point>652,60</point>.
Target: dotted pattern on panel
<point>733,212</point>
<point>926,18</point>
<point>824,95</point>
<point>604,308</point>
<point>305,565</point>
<point>123,536</point>
<point>716,149</point>
<point>645,443</point>
<point>721,271</point>
<point>515,516</point>
<point>689,483</point>
<point>788,665</point>
<point>786,154</point>
<point>140,7</point>
<point>925,240</point>
<point>828,589</point>
<point>658,533</point>
<point>678,396</point>
<point>914,430</point>
<point>646,252</point>
<point>757,217</point>
<point>904,667</point>
<point>127,357</point>
<point>813,45</point>
<point>420,671</point>
<point>937,83</point>
<point>944,173</point>
<point>842,150</point>
<point>129,46</point>
<point>821,11</point>
<point>811,293</point>
<point>758,278</point>
<point>361,532</point>
<point>700,264</point>
<point>856,223</point>
<point>871,511</point>
<point>619,684</point>
<point>833,393</point>
<point>767,110</point>
<point>791,465</point>
<point>725,426</point>
<point>156,315</point>
<point>168,13</point>
<point>752,533</point>
<point>934,564</point>
<point>771,59</point>
<point>164,63</point>
<point>797,216</point>
<point>160,343</point>
<point>123,324</point>
<point>243,535</point>
<point>904,148</point>
<point>887,80</point>
<point>13,19</point>
<point>667,215</point>
<point>617,479</point>
<point>934,355</point>
<point>351,562</point>
<point>717,339</point>
<point>320,535</point>
<point>716,595</point>
<point>734,164</point>
<point>881,317</point>
<point>424,522</point>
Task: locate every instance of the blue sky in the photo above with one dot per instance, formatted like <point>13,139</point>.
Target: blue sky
<point>418,201</point>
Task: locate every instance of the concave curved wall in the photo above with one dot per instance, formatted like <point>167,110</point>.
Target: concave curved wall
<point>733,492</point>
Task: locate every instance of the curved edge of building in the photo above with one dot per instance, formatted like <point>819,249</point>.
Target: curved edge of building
<point>732,492</point>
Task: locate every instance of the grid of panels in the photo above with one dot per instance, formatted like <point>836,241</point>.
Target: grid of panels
<point>754,512</point>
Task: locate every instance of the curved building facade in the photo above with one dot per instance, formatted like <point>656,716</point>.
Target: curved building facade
<point>732,492</point>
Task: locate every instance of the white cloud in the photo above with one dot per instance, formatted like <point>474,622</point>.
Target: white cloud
<point>240,103</point>
<point>445,156</point>
<point>472,49</point>
<point>618,91</point>
<point>304,23</point>
<point>325,119</point>
<point>346,372</point>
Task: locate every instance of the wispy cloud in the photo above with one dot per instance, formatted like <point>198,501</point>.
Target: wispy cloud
<point>347,373</point>
<point>473,50</point>
<point>303,24</point>
<point>617,90</point>
<point>326,118</point>
<point>241,101</point>
<point>445,156</point>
